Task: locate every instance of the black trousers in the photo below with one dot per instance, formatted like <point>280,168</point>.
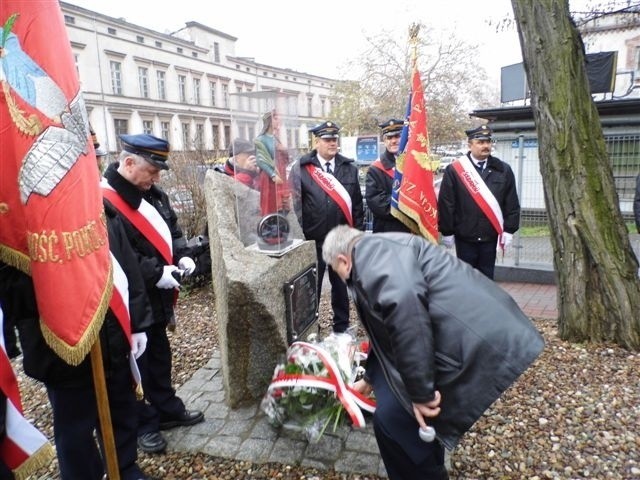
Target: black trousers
<point>405,456</point>
<point>161,402</point>
<point>339,295</point>
<point>480,255</point>
<point>75,418</point>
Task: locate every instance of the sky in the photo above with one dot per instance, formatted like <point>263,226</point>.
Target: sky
<point>315,38</point>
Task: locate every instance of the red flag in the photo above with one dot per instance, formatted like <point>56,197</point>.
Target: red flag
<point>51,216</point>
<point>23,448</point>
<point>417,202</point>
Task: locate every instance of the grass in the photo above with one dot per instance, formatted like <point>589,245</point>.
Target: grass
<point>543,230</point>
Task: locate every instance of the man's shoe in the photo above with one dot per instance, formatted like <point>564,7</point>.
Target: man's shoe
<point>152,442</point>
<point>188,417</point>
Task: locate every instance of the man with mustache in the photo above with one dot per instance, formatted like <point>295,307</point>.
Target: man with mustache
<point>478,206</point>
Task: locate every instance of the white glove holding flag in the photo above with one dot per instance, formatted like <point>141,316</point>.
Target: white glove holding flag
<point>448,240</point>
<point>167,281</point>
<point>138,344</point>
<point>187,265</point>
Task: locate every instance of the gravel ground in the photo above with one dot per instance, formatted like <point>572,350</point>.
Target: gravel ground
<point>574,415</point>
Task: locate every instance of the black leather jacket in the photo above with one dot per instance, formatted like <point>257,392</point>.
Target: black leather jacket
<point>435,323</point>
<point>316,211</point>
<point>458,213</point>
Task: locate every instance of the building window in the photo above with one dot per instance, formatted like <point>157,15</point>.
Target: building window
<point>212,90</point>
<point>139,39</point>
<point>147,127</point>
<point>225,96</point>
<point>69,19</point>
<point>158,44</point>
<point>143,81</point>
<point>199,136</point>
<point>194,54</point>
<point>637,59</point>
<point>216,52</point>
<point>196,91</point>
<point>323,107</point>
<point>111,31</point>
<point>162,89</point>
<point>309,106</point>
<point>164,130</point>
<point>227,135</point>
<point>179,49</point>
<point>121,127</point>
<point>185,136</point>
<point>116,77</point>
<point>214,136</point>
<point>75,60</point>
<point>182,88</point>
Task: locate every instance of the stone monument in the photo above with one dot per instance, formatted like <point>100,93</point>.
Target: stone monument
<point>264,299</point>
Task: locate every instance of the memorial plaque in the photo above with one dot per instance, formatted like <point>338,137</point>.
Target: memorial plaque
<point>301,300</point>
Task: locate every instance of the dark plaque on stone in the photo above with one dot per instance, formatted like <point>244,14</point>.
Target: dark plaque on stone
<point>301,300</point>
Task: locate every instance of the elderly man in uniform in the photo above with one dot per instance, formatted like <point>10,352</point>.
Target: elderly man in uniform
<point>129,185</point>
<point>478,207</point>
<point>380,180</point>
<point>327,193</point>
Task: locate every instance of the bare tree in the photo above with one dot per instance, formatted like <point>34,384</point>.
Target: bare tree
<point>598,287</point>
<point>452,81</point>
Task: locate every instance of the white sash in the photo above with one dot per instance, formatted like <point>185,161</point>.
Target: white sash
<point>150,219</point>
<point>333,188</point>
<point>480,193</point>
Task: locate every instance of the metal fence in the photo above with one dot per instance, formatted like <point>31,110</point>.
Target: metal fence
<point>532,244</point>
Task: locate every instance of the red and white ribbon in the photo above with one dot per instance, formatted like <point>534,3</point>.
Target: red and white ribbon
<point>352,401</point>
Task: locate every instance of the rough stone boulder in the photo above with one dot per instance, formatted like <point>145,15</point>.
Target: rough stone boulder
<point>249,289</point>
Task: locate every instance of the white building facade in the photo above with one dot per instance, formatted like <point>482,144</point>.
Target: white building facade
<point>182,87</point>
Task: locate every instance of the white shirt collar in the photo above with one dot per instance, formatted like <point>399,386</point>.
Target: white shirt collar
<point>323,162</point>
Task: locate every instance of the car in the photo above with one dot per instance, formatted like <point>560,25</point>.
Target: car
<point>181,200</point>
<point>445,162</point>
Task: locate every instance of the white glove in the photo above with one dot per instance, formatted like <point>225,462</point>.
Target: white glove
<point>187,265</point>
<point>448,240</point>
<point>167,281</point>
<point>506,239</point>
<point>138,344</point>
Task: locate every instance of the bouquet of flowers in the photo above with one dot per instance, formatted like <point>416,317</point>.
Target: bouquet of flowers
<point>312,389</point>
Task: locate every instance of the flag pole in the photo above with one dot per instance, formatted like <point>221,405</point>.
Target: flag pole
<point>104,414</point>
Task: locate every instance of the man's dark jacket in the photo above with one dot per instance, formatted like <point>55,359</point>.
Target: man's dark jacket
<point>149,259</point>
<point>40,361</point>
<point>316,212</point>
<point>378,196</point>
<point>458,213</point>
<point>435,323</point>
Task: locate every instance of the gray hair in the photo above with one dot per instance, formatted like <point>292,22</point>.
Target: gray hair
<point>124,154</point>
<point>339,241</point>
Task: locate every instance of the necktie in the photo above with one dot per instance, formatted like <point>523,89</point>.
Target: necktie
<point>328,168</point>
<point>480,166</point>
